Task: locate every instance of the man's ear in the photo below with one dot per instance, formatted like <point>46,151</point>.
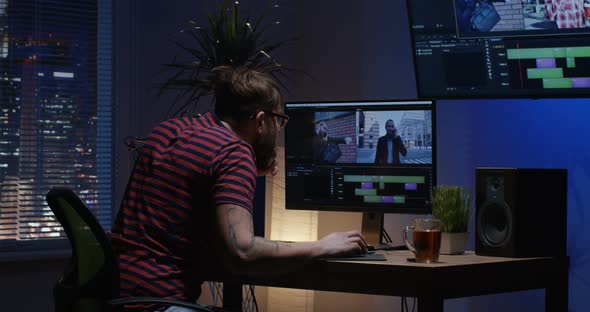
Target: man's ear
<point>260,122</point>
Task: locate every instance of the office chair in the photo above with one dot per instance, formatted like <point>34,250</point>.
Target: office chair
<point>90,282</point>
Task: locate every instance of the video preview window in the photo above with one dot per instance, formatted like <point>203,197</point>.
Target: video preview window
<point>478,18</point>
<point>386,138</point>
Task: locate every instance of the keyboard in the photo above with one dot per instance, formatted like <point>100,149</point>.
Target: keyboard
<point>386,247</point>
<point>371,256</point>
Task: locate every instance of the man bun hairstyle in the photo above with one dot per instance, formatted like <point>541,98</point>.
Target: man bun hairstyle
<point>242,91</point>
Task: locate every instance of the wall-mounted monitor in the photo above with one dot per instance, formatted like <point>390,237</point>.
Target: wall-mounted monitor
<point>507,48</point>
<point>361,156</point>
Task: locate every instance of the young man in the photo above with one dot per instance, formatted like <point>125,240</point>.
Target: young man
<point>188,204</point>
<point>390,146</point>
<point>326,149</point>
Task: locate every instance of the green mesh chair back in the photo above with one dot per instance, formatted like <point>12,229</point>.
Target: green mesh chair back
<point>92,275</point>
<point>90,282</point>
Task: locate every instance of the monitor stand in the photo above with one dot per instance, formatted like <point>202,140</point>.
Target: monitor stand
<point>372,227</point>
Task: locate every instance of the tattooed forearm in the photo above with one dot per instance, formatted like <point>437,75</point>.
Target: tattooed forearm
<point>262,243</point>
<point>239,230</point>
<point>237,219</point>
<point>241,222</point>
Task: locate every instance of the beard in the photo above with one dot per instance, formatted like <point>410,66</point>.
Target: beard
<point>266,153</point>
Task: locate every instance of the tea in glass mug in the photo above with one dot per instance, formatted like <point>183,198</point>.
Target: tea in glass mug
<point>426,239</point>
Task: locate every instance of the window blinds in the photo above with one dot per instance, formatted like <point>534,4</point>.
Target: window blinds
<point>55,114</point>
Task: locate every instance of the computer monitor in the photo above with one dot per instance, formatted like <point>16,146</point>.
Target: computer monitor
<point>340,156</point>
<point>495,49</point>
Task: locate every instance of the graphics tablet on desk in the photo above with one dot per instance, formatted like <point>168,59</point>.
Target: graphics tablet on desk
<point>363,257</point>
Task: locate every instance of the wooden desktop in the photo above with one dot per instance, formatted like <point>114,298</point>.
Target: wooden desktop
<point>453,277</point>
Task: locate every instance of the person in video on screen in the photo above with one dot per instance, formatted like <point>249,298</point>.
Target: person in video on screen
<point>565,13</point>
<point>187,209</point>
<point>464,11</point>
<point>390,146</point>
<point>326,149</point>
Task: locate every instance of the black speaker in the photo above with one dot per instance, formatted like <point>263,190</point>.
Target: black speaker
<point>520,212</point>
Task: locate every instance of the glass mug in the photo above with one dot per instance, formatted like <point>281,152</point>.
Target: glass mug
<point>426,237</point>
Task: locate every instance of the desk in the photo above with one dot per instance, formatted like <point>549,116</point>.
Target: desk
<point>455,276</point>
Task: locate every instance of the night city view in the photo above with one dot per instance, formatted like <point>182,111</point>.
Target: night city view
<point>55,113</point>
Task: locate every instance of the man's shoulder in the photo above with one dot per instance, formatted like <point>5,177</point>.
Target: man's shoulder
<point>220,132</point>
<point>198,131</point>
<point>222,140</point>
<point>203,128</point>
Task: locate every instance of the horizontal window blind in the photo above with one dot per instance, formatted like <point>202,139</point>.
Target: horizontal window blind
<point>55,114</point>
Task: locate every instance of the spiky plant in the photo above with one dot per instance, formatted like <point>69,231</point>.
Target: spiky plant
<point>226,39</point>
<point>451,204</point>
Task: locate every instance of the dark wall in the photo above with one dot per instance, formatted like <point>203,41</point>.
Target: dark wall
<point>347,53</point>
<point>28,285</point>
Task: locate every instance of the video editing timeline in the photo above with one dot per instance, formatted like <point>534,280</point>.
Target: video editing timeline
<point>359,188</point>
<point>376,189</point>
<point>551,68</point>
<point>452,61</point>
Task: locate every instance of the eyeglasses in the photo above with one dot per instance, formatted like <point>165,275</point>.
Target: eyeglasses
<point>282,119</point>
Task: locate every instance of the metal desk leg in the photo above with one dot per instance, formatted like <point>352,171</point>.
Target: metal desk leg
<point>232,297</point>
<point>430,304</point>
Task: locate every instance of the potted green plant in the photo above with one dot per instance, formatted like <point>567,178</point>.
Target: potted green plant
<point>451,204</point>
<point>227,38</point>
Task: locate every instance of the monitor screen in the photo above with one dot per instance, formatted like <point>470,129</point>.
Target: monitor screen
<point>360,156</point>
<point>505,48</point>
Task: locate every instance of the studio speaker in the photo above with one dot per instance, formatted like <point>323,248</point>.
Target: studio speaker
<point>520,212</point>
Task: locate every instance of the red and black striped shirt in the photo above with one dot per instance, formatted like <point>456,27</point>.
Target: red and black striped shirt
<point>186,167</point>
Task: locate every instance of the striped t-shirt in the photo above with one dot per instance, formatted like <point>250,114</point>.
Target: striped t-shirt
<point>186,167</point>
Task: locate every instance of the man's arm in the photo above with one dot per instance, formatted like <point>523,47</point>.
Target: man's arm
<point>378,152</point>
<point>244,253</point>
<point>318,153</point>
<point>336,140</point>
<point>401,147</point>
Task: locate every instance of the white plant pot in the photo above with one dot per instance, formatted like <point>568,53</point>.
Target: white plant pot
<point>453,243</point>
